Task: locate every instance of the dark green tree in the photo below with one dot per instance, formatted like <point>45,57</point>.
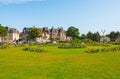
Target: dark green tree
<point>90,35</point>
<point>3,31</point>
<point>112,36</point>
<point>117,35</point>
<point>73,32</point>
<point>34,33</point>
<point>83,36</point>
<point>96,37</point>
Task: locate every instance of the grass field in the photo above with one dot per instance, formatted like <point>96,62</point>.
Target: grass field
<point>58,64</point>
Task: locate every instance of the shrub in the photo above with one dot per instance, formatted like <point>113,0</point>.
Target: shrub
<point>38,50</point>
<point>71,45</point>
<point>97,50</point>
<point>4,46</point>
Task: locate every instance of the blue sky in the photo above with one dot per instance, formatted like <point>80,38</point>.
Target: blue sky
<point>87,15</point>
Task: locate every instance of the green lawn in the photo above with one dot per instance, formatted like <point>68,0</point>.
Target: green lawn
<point>58,64</point>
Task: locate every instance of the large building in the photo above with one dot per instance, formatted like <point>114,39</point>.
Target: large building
<point>58,34</point>
<point>13,35</point>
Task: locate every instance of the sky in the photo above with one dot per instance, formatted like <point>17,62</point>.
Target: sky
<point>87,15</point>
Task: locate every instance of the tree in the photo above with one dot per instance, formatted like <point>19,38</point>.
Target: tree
<point>117,35</point>
<point>90,35</point>
<point>96,37</point>
<point>73,32</point>
<point>93,36</point>
<point>34,33</point>
<point>112,36</point>
<point>83,36</point>
<point>3,31</point>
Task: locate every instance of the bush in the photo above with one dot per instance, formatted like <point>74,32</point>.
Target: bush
<point>71,45</point>
<point>111,49</point>
<point>4,46</point>
<point>38,50</point>
<point>99,44</point>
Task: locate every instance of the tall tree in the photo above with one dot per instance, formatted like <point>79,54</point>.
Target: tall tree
<point>117,35</point>
<point>83,36</point>
<point>112,36</point>
<point>90,35</point>
<point>96,37</point>
<point>34,33</point>
<point>73,32</point>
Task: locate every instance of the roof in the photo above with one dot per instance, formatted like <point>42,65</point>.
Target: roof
<point>12,30</point>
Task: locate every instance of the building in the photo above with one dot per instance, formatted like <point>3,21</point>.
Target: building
<point>13,35</point>
<point>58,34</point>
<point>105,39</point>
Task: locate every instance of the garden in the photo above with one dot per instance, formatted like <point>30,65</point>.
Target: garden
<point>60,61</point>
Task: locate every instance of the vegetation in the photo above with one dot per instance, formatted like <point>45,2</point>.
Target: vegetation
<point>3,31</point>
<point>73,32</point>
<point>114,36</point>
<point>34,33</point>
<point>55,63</point>
<point>93,36</point>
<point>76,59</point>
<point>4,46</point>
<point>15,63</point>
<point>71,46</point>
<point>97,50</point>
<point>32,49</point>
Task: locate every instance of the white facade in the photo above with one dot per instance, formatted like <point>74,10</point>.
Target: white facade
<point>13,35</point>
<point>0,39</point>
<point>107,39</point>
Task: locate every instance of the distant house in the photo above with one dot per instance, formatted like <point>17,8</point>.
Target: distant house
<point>13,35</point>
<point>58,34</point>
<point>105,38</point>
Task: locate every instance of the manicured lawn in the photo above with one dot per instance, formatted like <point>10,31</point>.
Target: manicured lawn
<point>58,64</point>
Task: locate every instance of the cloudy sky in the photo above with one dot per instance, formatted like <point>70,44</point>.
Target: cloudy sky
<point>87,15</point>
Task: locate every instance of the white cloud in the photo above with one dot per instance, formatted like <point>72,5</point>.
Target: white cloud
<point>17,1</point>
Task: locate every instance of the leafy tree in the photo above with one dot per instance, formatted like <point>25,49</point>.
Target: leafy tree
<point>117,35</point>
<point>34,33</point>
<point>112,36</point>
<point>93,36</point>
<point>96,37</point>
<point>90,35</point>
<point>83,36</point>
<point>3,31</point>
<point>73,32</point>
